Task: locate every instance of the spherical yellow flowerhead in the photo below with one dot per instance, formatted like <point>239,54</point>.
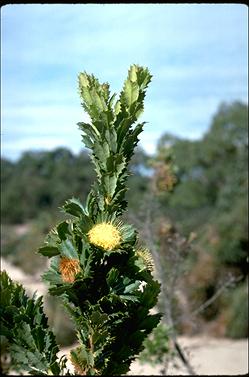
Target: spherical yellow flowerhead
<point>105,235</point>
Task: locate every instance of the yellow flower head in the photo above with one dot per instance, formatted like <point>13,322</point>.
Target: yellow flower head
<point>105,235</point>
<point>68,269</point>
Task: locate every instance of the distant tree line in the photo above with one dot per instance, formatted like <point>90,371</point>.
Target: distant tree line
<point>210,198</point>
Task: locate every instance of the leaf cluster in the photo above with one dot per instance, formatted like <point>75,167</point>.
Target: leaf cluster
<point>32,344</point>
<point>111,136</point>
<point>106,302</point>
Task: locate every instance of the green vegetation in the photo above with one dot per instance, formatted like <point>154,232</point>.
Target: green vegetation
<point>97,266</point>
<point>157,349</point>
<point>41,185</point>
<point>32,345</point>
<point>238,312</point>
<point>211,199</point>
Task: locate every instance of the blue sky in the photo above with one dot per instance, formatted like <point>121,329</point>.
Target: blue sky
<point>197,54</point>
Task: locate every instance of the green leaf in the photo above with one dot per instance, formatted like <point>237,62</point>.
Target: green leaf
<point>132,287</point>
<point>150,322</point>
<point>86,259</point>
<point>98,318</point>
<point>63,230</point>
<point>112,276</point>
<point>117,107</point>
<point>87,141</point>
<point>74,207</point>
<point>68,250</point>
<point>84,224</point>
<point>129,298</point>
<point>133,73</point>
<point>110,184</point>
<point>102,152</point>
<point>90,130</point>
<point>49,251</point>
<point>52,277</point>
<point>83,80</point>
<point>59,290</point>
<point>150,293</point>
<point>131,92</point>
<point>111,139</point>
<point>38,335</point>
<point>131,140</point>
<point>116,164</point>
<point>129,234</point>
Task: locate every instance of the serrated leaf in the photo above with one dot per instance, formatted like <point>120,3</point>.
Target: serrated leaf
<point>110,184</point>
<point>99,337</point>
<point>87,141</point>
<point>123,130</point>
<point>100,103</point>
<point>102,152</point>
<point>90,130</point>
<point>131,140</point>
<point>133,73</point>
<point>52,277</point>
<point>112,100</point>
<point>150,293</point>
<point>116,164</point>
<point>117,107</point>
<point>68,250</point>
<point>111,139</point>
<point>86,95</point>
<point>86,260</point>
<point>38,336</point>
<point>84,224</point>
<point>63,230</point>
<point>83,80</point>
<point>74,207</point>
<point>130,92</point>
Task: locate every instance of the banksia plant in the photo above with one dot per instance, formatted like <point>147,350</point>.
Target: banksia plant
<point>98,267</point>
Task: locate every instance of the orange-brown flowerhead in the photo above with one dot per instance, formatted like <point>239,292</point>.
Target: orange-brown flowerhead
<point>105,235</point>
<point>68,269</point>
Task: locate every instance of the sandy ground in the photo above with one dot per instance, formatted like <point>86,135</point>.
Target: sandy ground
<point>208,356</point>
<point>32,283</point>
